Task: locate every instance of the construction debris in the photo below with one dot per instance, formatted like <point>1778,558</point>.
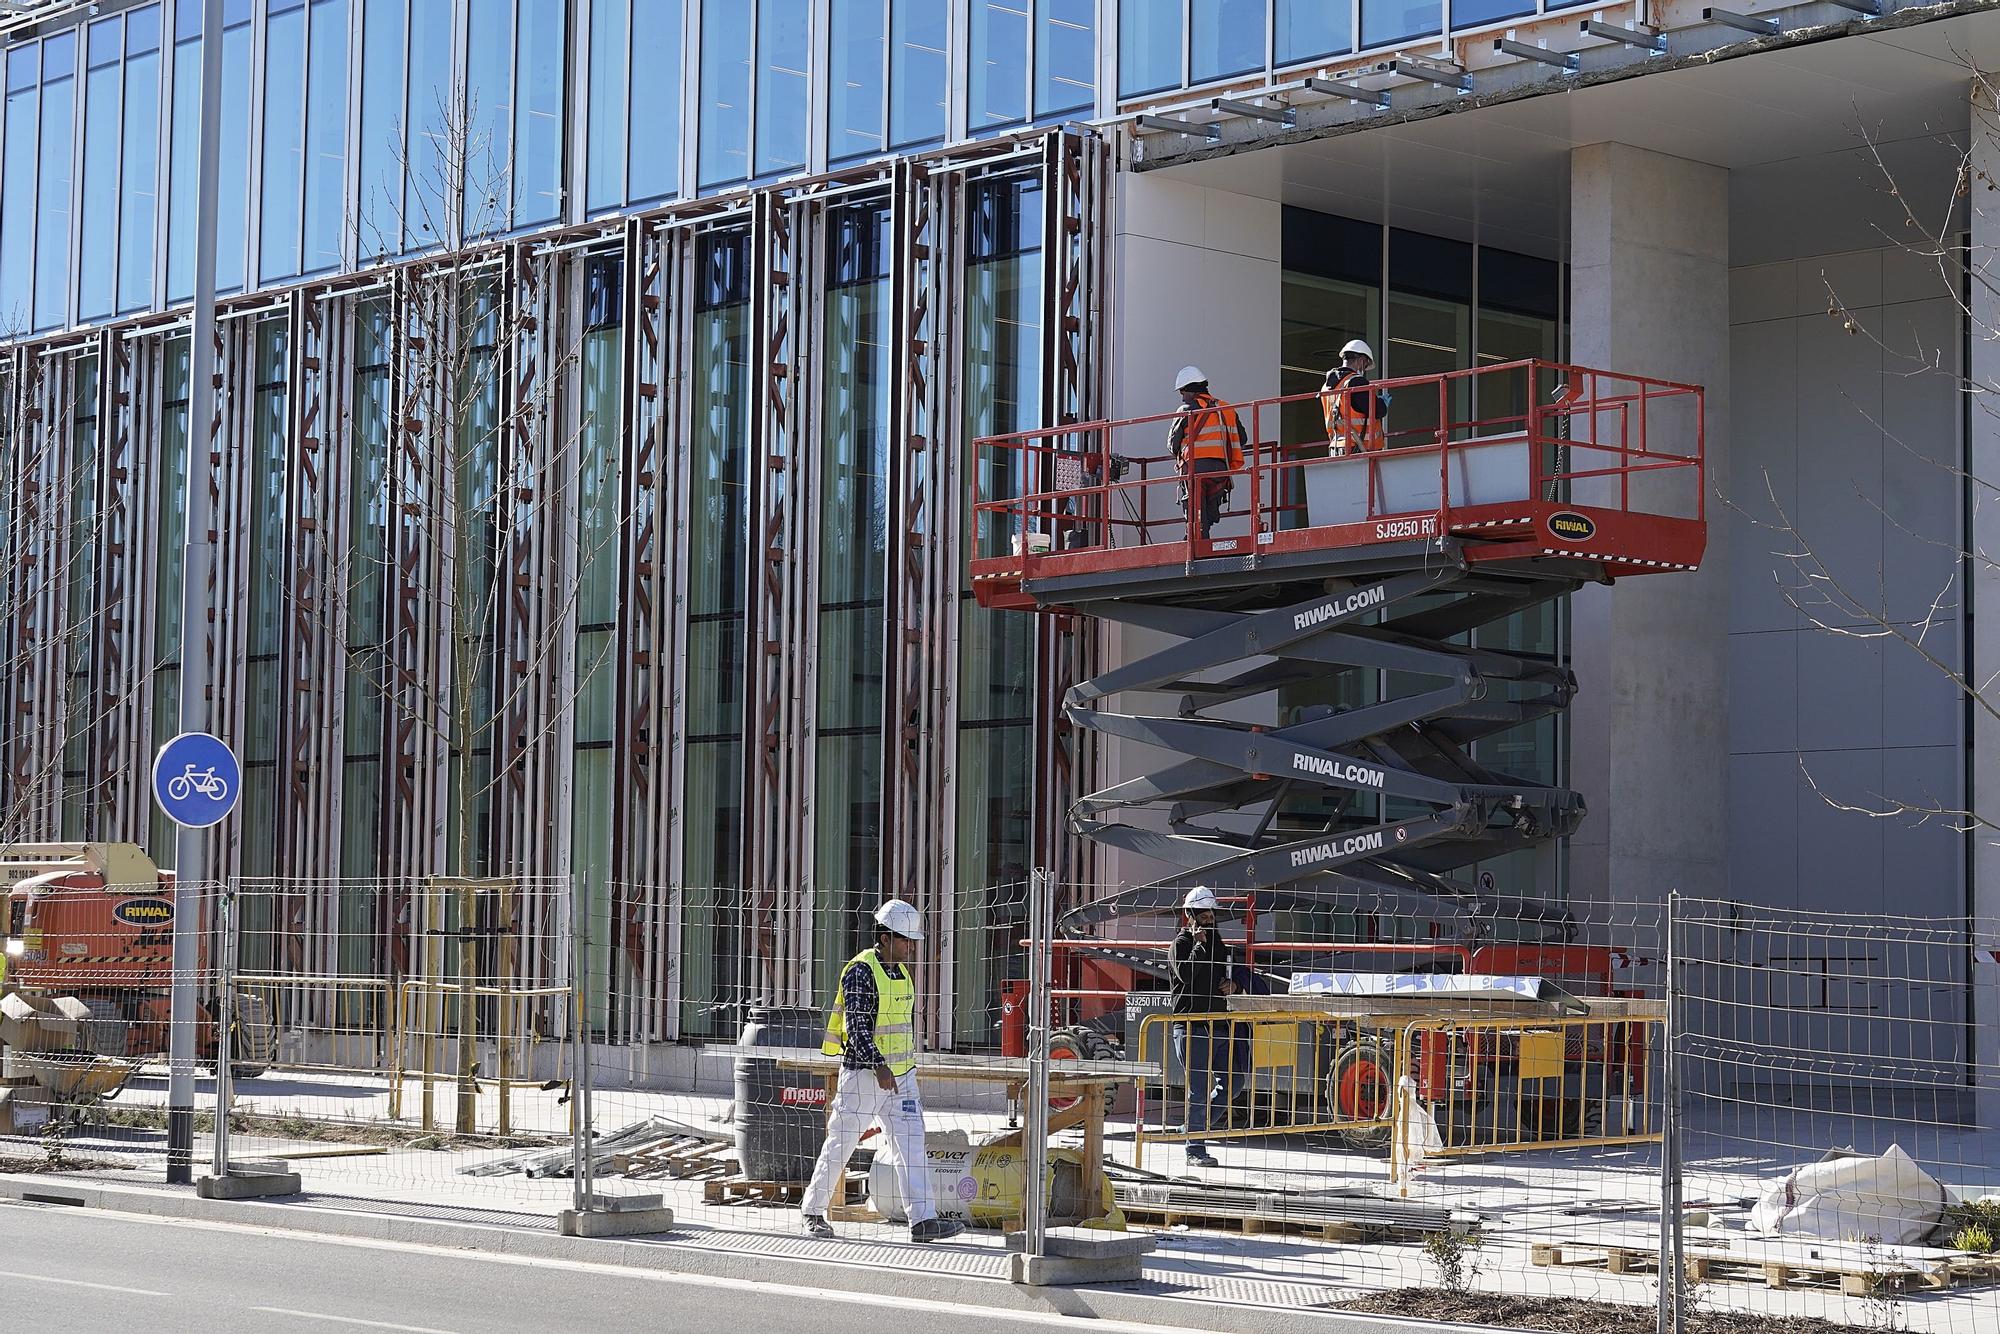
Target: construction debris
<point>658,1146</point>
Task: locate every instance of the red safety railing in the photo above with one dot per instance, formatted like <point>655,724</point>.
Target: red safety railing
<point>1573,461</point>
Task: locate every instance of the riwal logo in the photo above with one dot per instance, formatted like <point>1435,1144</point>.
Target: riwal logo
<point>1337,849</point>
<point>1571,526</point>
<point>1338,770</point>
<point>145,912</point>
<point>1333,608</point>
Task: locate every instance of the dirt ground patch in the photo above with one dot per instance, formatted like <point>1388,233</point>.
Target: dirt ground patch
<point>69,1164</point>
<point>1569,1314</point>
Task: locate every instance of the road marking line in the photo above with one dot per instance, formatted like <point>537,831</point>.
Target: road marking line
<point>79,1283</point>
<point>348,1320</point>
<point>838,1296</point>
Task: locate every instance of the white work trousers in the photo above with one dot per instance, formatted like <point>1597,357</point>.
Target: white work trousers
<point>859,1102</point>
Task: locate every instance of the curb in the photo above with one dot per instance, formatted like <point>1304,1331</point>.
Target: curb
<point>690,1256</point>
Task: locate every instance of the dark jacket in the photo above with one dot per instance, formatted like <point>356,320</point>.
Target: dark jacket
<point>1200,967</point>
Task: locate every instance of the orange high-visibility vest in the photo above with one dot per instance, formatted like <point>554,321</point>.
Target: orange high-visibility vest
<point>1212,432</point>
<point>1351,429</point>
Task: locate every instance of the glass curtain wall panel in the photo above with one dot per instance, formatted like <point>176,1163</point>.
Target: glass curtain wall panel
<point>1384,21</point>
<point>79,786</point>
<point>382,150</point>
<point>169,527</point>
<point>233,179</point>
<point>857,52</point>
<point>1308,29</point>
<point>139,161</point>
<point>428,177</point>
<point>720,440</point>
<point>1065,56</point>
<point>537,167</point>
<point>18,138</point>
<point>484,126</point>
<point>325,143</point>
<point>727,27</point>
<point>284,138</point>
<point>597,597</point>
<point>858,433</point>
<point>1002,375</point>
<point>919,71</point>
<point>784,84</point>
<point>1429,333</point>
<point>263,704</point>
<point>372,419</point>
<point>997,64</point>
<point>1227,38</point>
<point>476,505</point>
<point>1151,44</point>
<point>103,123</point>
<point>1467,13</point>
<point>52,182</point>
<point>653,163</point>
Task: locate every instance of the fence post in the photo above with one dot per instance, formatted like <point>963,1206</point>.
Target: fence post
<point>1035,1116</point>
<point>1672,1270</point>
<point>225,1023</point>
<point>579,1055</point>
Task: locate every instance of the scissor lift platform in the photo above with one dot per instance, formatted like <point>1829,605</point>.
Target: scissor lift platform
<point>1503,489</point>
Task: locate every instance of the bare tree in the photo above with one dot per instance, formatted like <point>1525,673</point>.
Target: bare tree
<point>1930,224</point>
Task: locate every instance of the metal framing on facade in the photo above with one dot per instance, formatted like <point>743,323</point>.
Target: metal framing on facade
<point>299,470</point>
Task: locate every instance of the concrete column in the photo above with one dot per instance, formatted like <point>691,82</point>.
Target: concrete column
<point>1983,653</point>
<point>1648,740</point>
<point>1199,282</point>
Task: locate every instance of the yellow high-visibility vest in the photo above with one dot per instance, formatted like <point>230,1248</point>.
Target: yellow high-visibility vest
<point>895,1016</point>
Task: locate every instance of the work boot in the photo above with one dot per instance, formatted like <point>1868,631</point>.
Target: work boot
<point>936,1229</point>
<point>817,1226</point>
<point>1201,1158</point>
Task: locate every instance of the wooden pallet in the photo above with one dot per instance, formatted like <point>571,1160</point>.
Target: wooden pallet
<point>1783,1265</point>
<point>740,1190</point>
<point>1248,1224</point>
<point>685,1158</point>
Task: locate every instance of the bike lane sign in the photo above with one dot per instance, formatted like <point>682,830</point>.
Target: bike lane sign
<point>196,780</point>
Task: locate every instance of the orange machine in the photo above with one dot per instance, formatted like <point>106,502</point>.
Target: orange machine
<point>95,921</point>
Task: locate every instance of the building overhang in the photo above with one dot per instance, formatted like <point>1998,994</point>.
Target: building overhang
<point>1865,102</point>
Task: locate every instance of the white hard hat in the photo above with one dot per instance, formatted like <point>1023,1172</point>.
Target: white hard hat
<point>1358,346</point>
<point>901,918</point>
<point>1190,375</point>
<point>1200,899</point>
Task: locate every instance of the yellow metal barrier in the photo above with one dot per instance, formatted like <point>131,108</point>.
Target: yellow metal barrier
<point>1490,1085</point>
<point>1503,1085</point>
<point>336,1024</point>
<point>513,1040</point>
<point>1304,1074</point>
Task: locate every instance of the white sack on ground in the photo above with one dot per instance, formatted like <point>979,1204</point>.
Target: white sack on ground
<point>1417,1138</point>
<point>1889,1198</point>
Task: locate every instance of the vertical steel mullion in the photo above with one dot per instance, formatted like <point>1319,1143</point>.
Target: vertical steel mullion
<point>253,168</point>
<point>351,183</point>
<point>305,129</point>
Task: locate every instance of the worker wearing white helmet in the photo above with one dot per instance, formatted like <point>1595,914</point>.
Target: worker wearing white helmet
<point>872,1027</point>
<point>1355,414</point>
<point>1206,439</point>
<point>1206,1048</point>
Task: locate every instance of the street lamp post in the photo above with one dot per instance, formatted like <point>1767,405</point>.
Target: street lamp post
<point>197,630</point>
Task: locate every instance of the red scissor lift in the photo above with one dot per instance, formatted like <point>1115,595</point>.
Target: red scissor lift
<point>1379,588</point>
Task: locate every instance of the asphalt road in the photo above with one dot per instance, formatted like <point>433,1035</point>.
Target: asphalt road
<point>67,1269</point>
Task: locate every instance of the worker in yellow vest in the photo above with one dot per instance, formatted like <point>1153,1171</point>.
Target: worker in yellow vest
<point>872,1027</point>
<point>1356,415</point>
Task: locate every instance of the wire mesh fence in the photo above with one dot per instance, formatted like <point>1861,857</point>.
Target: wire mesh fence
<point>1778,1113</point>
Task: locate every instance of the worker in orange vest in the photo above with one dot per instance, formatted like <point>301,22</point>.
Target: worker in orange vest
<point>1356,415</point>
<point>1207,437</point>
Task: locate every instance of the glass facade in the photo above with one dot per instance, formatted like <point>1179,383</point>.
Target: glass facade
<point>1003,379</point>
<point>853,580</point>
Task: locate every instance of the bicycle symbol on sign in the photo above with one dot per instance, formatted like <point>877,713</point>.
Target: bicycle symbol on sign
<point>205,781</point>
